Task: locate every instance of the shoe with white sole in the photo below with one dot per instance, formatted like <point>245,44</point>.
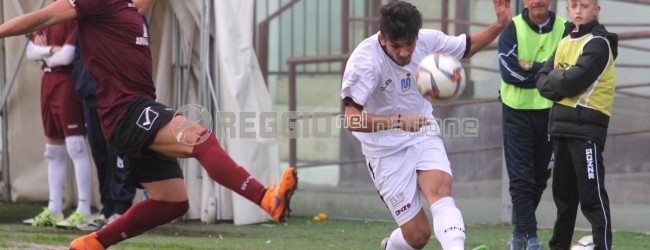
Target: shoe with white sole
<point>44,219</point>
<point>72,221</point>
<point>95,223</point>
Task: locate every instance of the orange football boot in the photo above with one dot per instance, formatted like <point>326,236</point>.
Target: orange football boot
<point>87,242</point>
<point>276,200</point>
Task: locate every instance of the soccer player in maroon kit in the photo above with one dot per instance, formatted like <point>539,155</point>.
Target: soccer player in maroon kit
<point>63,124</point>
<point>115,45</point>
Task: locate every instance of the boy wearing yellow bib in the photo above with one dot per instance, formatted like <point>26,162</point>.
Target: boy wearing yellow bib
<point>580,80</point>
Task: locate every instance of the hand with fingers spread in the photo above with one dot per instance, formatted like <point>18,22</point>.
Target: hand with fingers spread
<point>504,11</point>
<point>483,38</point>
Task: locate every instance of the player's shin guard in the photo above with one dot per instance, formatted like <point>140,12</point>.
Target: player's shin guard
<point>142,216</point>
<point>448,224</point>
<point>225,171</point>
<point>397,241</point>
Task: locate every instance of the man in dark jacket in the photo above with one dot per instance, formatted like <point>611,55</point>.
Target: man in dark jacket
<point>115,195</point>
<point>524,46</point>
<point>580,79</point>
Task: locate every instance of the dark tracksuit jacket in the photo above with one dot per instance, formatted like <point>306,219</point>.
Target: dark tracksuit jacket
<point>526,145</point>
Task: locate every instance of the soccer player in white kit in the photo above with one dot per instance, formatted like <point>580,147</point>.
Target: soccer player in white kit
<point>400,139</point>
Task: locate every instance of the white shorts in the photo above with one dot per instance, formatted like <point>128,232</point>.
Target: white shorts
<point>396,179</point>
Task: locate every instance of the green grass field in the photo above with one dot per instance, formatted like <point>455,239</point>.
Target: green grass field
<point>296,233</point>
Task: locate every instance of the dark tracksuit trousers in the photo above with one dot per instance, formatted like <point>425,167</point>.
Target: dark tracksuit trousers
<point>115,195</point>
<point>579,177</point>
<point>527,151</point>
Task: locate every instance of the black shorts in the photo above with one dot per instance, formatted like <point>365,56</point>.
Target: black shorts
<point>132,136</point>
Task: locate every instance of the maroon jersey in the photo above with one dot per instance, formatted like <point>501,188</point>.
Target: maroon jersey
<point>59,35</point>
<point>61,107</point>
<point>114,42</point>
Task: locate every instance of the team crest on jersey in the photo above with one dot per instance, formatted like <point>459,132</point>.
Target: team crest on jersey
<point>147,118</point>
<point>406,83</point>
<point>354,78</point>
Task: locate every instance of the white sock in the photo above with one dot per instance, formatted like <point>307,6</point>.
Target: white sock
<point>79,154</point>
<point>448,224</point>
<point>55,155</point>
<point>397,241</point>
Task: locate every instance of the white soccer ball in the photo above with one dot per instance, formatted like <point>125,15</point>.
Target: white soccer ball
<point>440,78</point>
<point>584,243</point>
<point>194,114</point>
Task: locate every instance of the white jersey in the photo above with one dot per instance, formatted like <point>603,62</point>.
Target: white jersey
<point>382,87</point>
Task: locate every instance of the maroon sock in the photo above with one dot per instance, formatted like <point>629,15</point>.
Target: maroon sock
<point>225,171</point>
<point>141,217</point>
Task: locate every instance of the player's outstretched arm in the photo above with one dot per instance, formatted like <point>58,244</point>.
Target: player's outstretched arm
<point>484,37</point>
<point>56,12</point>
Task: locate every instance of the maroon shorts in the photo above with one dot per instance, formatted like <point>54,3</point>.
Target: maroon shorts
<point>61,107</point>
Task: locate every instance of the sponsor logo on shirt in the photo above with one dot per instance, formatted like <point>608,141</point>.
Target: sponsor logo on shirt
<point>406,83</point>
<point>388,82</point>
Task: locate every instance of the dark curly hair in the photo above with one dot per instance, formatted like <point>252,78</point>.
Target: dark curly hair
<point>399,19</point>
